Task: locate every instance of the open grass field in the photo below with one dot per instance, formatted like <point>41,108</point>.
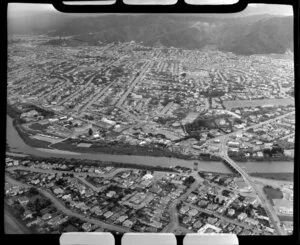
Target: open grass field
<point>275,176</point>
<point>253,103</point>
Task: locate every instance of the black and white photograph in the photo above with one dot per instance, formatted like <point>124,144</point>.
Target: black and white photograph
<point>150,122</point>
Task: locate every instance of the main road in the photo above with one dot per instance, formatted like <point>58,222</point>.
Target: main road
<point>98,95</point>
<point>61,207</point>
<point>269,209</point>
<point>174,221</point>
<point>133,84</point>
<point>52,171</point>
<point>77,92</point>
<point>222,137</point>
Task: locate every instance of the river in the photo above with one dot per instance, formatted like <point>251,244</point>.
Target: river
<point>16,144</point>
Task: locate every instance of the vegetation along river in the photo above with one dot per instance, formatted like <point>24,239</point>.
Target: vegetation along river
<point>16,144</point>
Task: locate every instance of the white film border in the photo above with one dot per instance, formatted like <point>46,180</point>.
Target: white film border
<point>106,238</point>
<point>87,238</point>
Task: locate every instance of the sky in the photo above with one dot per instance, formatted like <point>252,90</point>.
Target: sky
<point>21,9</point>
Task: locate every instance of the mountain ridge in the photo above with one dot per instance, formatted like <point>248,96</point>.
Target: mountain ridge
<point>246,35</point>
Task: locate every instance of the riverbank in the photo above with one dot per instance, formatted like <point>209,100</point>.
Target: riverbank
<point>117,148</point>
<point>94,163</point>
<point>17,145</point>
<point>274,176</point>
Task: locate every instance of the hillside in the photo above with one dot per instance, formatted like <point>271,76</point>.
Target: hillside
<point>260,34</point>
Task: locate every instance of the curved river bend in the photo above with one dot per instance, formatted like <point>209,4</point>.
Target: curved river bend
<point>16,143</point>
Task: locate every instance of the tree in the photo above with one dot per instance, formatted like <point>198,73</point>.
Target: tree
<point>37,204</point>
<point>31,206</point>
<point>33,191</point>
<point>19,209</point>
<point>90,132</point>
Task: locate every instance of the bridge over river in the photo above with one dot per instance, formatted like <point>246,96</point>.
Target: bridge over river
<point>274,220</point>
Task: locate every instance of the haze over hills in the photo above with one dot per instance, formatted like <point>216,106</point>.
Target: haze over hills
<point>250,34</point>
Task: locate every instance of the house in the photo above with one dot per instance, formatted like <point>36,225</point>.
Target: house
<point>95,209</point>
<point>122,218</point>
<point>67,197</point>
<point>192,197</point>
<point>15,162</point>
<point>10,202</point>
<point>128,223</point>
<point>82,206</point>
<point>245,232</point>
<point>58,191</point>
<point>231,227</point>
<point>156,224</point>
<point>242,216</point>
<point>111,194</point>
<point>268,229</point>
<point>70,228</point>
<point>146,183</point>
<point>34,222</point>
<point>211,220</point>
<point>35,182</point>
<point>108,214</point>
<point>186,219</point>
<point>209,227</point>
<point>250,200</point>
<point>184,209</point>
<point>233,144</point>
<point>260,154</point>
<point>147,176</point>
<point>221,210</point>
<point>23,200</point>
<point>289,153</point>
<point>54,221</point>
<point>27,214</point>
<point>125,175</point>
<point>251,221</point>
<point>237,230</point>
<point>231,212</point>
<point>89,193</point>
<point>193,212</point>
<point>198,224</point>
<point>29,114</point>
<point>87,226</point>
<point>262,217</point>
<point>203,203</point>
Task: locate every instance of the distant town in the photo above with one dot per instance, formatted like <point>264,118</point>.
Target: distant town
<point>155,101</point>
<point>124,98</point>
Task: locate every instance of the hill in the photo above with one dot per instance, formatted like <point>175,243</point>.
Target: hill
<point>246,35</point>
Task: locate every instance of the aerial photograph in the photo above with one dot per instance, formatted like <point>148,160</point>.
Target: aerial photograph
<point>177,123</point>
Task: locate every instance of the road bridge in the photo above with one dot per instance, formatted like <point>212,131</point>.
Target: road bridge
<point>274,220</point>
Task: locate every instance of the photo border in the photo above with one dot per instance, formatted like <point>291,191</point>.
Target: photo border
<point>179,7</point>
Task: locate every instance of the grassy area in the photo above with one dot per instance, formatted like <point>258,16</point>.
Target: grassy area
<point>38,126</point>
<point>30,141</point>
<point>119,149</point>
<point>275,176</point>
<point>285,218</point>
